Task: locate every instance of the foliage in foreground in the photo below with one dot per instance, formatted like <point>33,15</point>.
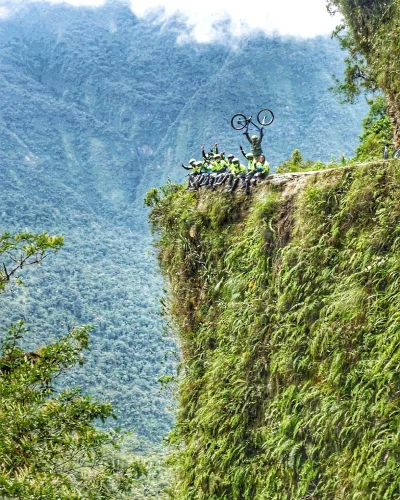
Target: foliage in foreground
<point>21,250</point>
<point>288,314</point>
<point>49,445</point>
<point>370,36</point>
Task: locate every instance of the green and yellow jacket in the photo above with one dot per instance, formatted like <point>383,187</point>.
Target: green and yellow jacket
<point>262,167</point>
<point>237,168</point>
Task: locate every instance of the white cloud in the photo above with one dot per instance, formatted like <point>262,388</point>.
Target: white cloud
<point>4,12</point>
<point>208,20</point>
<point>81,3</point>
<point>303,18</point>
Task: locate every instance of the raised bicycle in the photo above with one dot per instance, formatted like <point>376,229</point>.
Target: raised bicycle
<point>264,117</point>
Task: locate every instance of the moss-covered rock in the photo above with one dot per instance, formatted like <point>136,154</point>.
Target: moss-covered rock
<point>287,308</point>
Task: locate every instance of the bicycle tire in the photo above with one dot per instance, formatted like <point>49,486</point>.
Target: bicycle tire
<point>238,121</point>
<point>261,118</point>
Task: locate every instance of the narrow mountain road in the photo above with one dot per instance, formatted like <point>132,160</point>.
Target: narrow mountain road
<point>291,182</point>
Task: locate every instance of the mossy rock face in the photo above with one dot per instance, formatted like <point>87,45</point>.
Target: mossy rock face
<point>287,307</point>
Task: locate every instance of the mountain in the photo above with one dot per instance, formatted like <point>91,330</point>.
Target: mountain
<point>96,106</point>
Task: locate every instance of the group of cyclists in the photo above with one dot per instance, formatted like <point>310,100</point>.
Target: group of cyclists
<point>216,169</point>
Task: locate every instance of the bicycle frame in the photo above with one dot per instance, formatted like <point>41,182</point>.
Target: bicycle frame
<point>250,121</point>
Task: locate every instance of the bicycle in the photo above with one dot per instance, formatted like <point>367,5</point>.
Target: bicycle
<point>264,117</point>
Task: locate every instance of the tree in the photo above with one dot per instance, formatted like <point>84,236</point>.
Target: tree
<point>296,163</point>
<point>49,445</point>
<point>371,35</point>
<point>24,249</point>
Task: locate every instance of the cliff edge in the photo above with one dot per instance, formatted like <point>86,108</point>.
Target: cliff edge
<point>287,305</point>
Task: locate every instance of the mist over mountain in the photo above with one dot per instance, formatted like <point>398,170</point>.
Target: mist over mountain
<point>96,107</point>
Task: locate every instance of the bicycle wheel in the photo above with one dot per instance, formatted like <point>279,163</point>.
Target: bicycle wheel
<point>238,122</point>
<point>265,117</point>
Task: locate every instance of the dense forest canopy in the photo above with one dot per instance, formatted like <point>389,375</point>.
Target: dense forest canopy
<point>50,447</point>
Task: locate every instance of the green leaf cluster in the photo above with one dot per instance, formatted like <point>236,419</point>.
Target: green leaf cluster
<point>286,306</point>
<point>370,35</point>
<point>50,447</point>
<point>377,132</point>
<point>24,249</point>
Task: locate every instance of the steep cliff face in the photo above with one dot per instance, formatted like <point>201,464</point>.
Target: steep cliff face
<point>287,308</point>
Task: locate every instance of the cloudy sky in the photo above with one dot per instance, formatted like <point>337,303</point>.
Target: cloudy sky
<point>207,19</point>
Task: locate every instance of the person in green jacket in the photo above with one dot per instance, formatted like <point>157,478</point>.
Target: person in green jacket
<point>237,174</point>
<point>251,171</point>
<point>259,170</point>
<point>262,166</point>
<point>191,163</point>
<point>250,158</point>
<point>218,164</point>
<point>218,167</point>
<point>208,157</point>
<point>251,163</point>
<point>195,171</point>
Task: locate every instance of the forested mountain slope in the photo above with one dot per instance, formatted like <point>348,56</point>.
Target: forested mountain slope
<point>96,106</point>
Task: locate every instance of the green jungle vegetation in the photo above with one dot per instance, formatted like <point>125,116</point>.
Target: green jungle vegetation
<point>95,107</point>
<point>49,445</point>
<point>286,304</point>
<point>287,313</point>
<point>370,35</point>
<point>296,163</point>
<point>377,132</point>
